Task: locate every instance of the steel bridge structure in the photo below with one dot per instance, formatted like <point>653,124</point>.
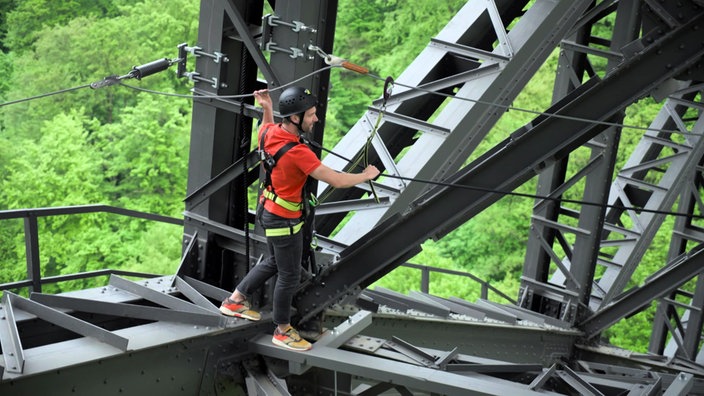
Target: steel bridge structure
<point>592,223</point>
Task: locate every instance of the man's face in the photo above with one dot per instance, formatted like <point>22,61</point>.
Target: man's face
<point>309,120</point>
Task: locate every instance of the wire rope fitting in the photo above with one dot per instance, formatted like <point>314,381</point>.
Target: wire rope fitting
<point>137,72</point>
<point>333,60</point>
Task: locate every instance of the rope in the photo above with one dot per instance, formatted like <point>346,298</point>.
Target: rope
<point>44,95</point>
<point>388,86</point>
<point>338,62</point>
<point>363,71</point>
<point>517,194</point>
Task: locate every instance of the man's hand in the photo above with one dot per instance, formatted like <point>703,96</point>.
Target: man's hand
<point>341,179</point>
<point>264,100</point>
<point>371,172</point>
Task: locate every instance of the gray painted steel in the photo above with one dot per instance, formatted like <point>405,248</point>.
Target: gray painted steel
<point>433,156</point>
<point>166,336</point>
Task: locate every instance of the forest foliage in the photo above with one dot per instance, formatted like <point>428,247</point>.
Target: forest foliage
<point>126,148</point>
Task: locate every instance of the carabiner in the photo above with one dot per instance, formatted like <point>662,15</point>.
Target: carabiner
<point>388,88</point>
<point>313,201</point>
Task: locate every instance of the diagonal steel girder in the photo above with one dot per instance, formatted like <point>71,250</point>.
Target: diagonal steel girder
<point>661,284</point>
<point>662,197</point>
<point>504,168</point>
<point>433,156</point>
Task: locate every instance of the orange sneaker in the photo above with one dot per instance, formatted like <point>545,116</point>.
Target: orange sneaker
<point>290,339</point>
<point>240,309</point>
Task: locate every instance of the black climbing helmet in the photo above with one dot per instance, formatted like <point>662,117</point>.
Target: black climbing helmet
<point>295,100</point>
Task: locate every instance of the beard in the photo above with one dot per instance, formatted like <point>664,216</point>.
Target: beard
<point>307,128</point>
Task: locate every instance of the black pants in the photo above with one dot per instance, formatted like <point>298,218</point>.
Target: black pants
<point>285,260</point>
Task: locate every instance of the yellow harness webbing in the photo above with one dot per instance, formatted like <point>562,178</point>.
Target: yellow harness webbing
<point>284,231</point>
<point>292,206</point>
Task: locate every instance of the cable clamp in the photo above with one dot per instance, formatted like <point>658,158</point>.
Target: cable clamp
<point>292,51</point>
<point>195,76</point>
<point>106,82</point>
<point>296,26</point>
<point>197,51</point>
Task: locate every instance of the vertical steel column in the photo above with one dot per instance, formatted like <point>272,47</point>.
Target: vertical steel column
<point>546,233</point>
<point>218,132</point>
<point>604,150</point>
<point>31,240</point>
<point>319,17</point>
<point>572,66</point>
<point>221,132</point>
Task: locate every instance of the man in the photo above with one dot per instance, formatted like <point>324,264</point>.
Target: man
<point>281,209</point>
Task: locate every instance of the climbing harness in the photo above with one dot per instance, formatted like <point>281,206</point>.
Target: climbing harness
<point>292,206</point>
<point>268,162</point>
<point>307,205</point>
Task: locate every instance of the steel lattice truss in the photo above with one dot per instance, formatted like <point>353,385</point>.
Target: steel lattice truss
<point>580,258</point>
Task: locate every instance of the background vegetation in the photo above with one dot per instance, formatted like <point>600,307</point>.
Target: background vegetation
<point>126,148</point>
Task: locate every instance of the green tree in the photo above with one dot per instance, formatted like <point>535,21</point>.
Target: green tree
<point>91,49</point>
<point>26,21</point>
<point>5,7</point>
<point>5,71</point>
<point>143,156</point>
<point>56,150</point>
<point>59,169</point>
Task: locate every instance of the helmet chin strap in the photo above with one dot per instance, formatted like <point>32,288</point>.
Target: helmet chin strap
<point>298,125</point>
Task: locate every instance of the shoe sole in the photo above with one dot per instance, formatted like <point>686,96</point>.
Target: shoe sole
<point>237,314</point>
<point>287,346</point>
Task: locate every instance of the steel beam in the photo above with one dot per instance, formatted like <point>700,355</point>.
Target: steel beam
<point>474,109</point>
<point>681,386</point>
<point>505,167</point>
<point>660,284</point>
<point>129,310</point>
<point>68,322</point>
<point>384,370</point>
<point>158,297</point>
<point>262,382</point>
<point>10,338</point>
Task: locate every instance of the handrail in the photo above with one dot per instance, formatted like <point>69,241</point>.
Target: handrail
<point>34,280</point>
<point>425,280</point>
<point>79,275</point>
<point>82,209</point>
